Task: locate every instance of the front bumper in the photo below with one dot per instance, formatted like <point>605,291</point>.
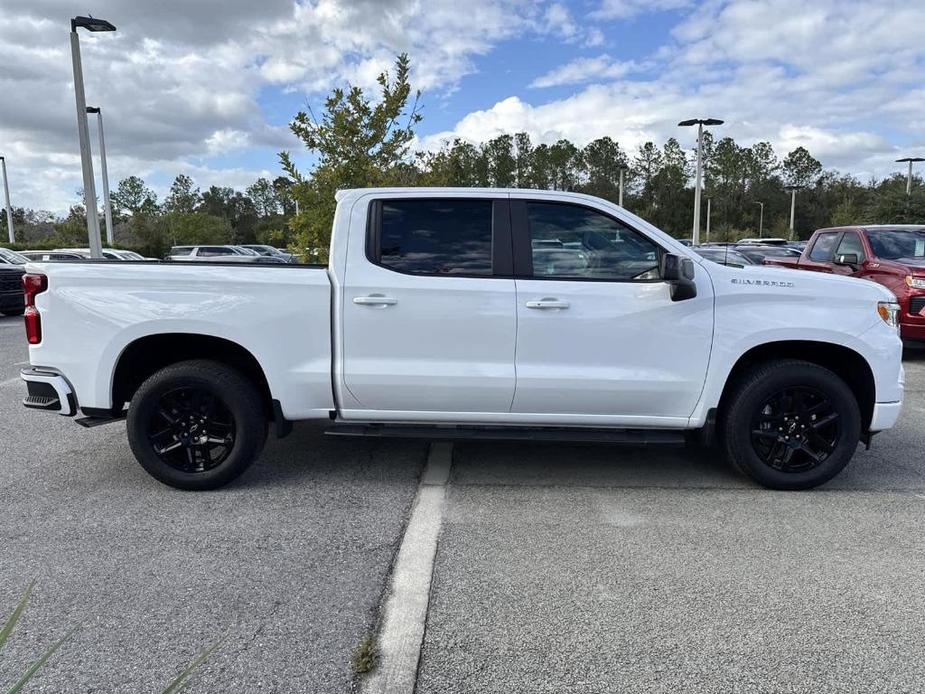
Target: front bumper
<point>48,390</point>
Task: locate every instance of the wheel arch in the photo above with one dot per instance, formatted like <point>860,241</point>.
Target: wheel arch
<point>845,362</point>
<point>146,355</point>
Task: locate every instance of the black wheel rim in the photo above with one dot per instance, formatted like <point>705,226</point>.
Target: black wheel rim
<point>191,430</point>
<point>796,429</point>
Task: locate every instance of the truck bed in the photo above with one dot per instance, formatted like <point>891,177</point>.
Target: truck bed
<point>93,311</point>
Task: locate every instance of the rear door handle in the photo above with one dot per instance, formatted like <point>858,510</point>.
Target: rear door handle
<point>547,303</point>
<point>374,300</point>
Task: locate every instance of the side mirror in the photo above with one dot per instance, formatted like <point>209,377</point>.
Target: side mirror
<point>678,271</point>
<point>847,259</point>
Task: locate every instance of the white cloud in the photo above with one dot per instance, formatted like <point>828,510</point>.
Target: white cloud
<point>626,9</point>
<point>840,78</point>
<point>180,80</point>
<point>603,67</point>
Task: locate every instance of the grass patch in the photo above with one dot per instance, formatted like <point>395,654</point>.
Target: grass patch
<point>365,655</point>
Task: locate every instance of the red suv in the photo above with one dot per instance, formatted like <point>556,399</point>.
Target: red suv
<point>891,254</point>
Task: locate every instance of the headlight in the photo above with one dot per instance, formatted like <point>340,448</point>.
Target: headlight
<point>915,282</point>
<point>889,312</point>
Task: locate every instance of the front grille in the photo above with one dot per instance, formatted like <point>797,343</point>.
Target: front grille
<point>11,281</point>
<point>916,304</point>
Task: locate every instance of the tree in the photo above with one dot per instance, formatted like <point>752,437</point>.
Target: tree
<point>564,163</point>
<point>801,168</point>
<point>523,159</point>
<point>134,197</point>
<point>602,161</point>
<point>188,228</point>
<point>359,142</point>
<point>264,197</point>
<point>502,165</point>
<point>183,196</point>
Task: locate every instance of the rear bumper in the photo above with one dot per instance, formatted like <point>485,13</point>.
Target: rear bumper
<point>48,390</point>
<point>885,415</point>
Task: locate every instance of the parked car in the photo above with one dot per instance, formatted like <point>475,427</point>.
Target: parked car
<point>221,254</point>
<point>437,317</point>
<point>890,254</point>
<point>51,256</point>
<point>8,257</point>
<point>12,302</point>
<point>108,253</point>
<point>757,253</point>
<point>769,241</point>
<point>270,251</point>
<point>723,255</point>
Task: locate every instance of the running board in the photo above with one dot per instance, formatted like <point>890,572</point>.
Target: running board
<point>630,437</point>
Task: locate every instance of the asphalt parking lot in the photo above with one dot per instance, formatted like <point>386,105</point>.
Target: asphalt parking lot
<point>290,561</point>
<point>558,568</point>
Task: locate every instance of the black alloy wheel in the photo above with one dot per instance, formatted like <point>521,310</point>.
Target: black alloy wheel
<point>191,430</point>
<point>790,424</point>
<point>197,424</point>
<point>796,429</point>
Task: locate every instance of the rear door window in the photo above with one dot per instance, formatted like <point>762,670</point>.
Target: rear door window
<point>435,236</point>
<point>824,247</point>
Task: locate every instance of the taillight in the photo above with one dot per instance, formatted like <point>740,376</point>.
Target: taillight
<point>33,284</point>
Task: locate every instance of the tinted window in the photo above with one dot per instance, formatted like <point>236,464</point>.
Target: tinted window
<point>436,237</point>
<point>181,250</point>
<point>215,250</point>
<point>573,242</point>
<point>850,243</point>
<point>824,247</point>
<point>892,245</point>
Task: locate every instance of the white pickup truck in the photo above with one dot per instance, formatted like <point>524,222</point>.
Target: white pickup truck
<point>454,313</point>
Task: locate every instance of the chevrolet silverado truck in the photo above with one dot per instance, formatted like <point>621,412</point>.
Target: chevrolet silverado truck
<point>890,254</point>
<point>467,313</point>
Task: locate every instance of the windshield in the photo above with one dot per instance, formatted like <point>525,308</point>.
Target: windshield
<point>895,244</point>
<point>12,257</point>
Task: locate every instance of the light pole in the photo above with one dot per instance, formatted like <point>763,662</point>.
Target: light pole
<point>9,210</point>
<point>620,199</point>
<point>911,160</point>
<point>709,200</point>
<point>107,206</point>
<point>83,129</point>
<point>761,220</point>
<point>699,122</point>
<point>793,204</point>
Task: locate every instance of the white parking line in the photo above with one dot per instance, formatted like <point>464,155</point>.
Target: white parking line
<point>402,631</point>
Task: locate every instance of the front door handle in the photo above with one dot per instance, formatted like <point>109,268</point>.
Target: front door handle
<point>374,300</point>
<point>547,303</point>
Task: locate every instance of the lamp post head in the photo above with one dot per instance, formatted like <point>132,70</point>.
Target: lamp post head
<point>93,109</point>
<point>910,159</point>
<point>91,24</point>
<point>701,121</point>
<point>793,187</point>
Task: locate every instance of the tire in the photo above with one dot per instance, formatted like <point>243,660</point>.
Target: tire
<point>170,417</point>
<point>13,311</point>
<point>791,424</point>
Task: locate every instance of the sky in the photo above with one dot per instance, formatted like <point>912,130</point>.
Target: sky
<point>207,87</point>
